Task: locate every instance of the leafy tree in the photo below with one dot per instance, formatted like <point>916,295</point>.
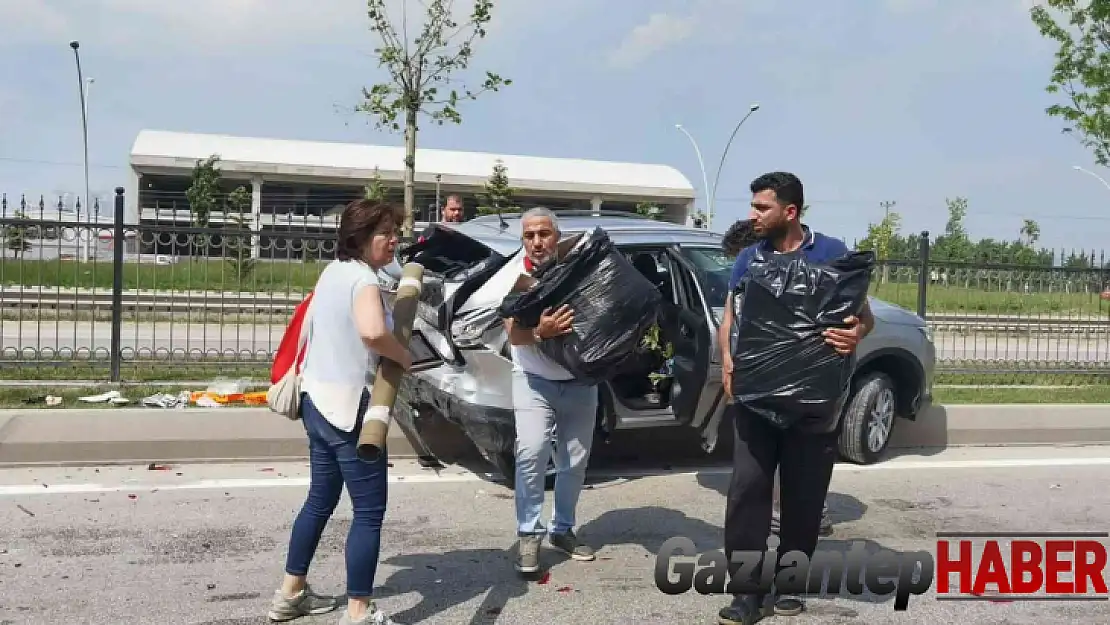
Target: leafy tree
<point>1081,74</point>
<point>204,191</point>
<point>376,190</point>
<point>649,210</point>
<point>954,244</point>
<point>497,195</point>
<point>16,237</point>
<point>419,70</point>
<point>237,239</point>
<point>1030,232</point>
<point>203,196</point>
<point>882,238</point>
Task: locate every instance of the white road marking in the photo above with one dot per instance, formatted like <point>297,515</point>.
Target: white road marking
<point>22,490</point>
<point>225,484</point>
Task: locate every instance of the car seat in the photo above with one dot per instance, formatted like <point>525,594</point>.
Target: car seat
<point>646,265</point>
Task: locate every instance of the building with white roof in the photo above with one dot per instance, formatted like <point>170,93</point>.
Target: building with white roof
<point>301,184</point>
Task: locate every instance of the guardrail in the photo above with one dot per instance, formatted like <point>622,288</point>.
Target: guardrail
<point>149,301</point>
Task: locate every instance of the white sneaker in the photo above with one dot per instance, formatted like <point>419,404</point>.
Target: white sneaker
<point>306,602</point>
<point>373,616</point>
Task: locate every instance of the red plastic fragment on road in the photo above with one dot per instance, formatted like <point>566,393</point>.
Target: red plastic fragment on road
<point>132,496</point>
<point>546,577</point>
<point>565,589</point>
<point>987,595</point>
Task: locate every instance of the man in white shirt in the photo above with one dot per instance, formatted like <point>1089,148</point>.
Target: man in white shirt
<point>546,396</point>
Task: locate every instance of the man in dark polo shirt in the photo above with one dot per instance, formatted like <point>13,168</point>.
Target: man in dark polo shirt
<point>804,454</point>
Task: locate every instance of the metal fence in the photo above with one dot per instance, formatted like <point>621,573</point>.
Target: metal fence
<point>87,300</point>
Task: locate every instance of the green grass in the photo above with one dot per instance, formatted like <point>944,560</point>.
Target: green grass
<point>951,299</point>
<point>1045,378</point>
<point>1099,394</point>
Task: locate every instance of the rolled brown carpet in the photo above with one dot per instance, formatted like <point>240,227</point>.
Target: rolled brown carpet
<point>383,395</point>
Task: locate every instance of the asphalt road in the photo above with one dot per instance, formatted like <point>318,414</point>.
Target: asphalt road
<point>204,545</point>
<point>160,339</point>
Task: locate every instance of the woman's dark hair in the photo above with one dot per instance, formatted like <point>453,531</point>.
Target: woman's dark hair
<point>359,221</point>
<point>738,236</point>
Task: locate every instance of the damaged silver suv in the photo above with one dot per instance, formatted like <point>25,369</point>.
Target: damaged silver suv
<point>470,267</point>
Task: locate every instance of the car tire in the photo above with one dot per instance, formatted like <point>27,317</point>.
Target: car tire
<point>869,419</point>
<point>505,463</point>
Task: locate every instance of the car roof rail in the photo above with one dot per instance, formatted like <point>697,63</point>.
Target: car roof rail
<point>571,212</point>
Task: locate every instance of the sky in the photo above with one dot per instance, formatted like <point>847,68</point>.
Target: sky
<point>910,101</point>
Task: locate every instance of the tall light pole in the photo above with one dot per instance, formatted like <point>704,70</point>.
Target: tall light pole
<point>1091,173</point>
<point>711,192</point>
<point>84,135</point>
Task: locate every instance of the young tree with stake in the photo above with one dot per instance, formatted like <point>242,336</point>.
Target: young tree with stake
<point>420,74</point>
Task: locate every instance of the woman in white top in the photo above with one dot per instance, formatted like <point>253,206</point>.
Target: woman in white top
<point>350,328</point>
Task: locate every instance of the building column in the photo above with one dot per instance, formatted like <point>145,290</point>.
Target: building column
<point>132,214</point>
<point>595,205</point>
<point>256,217</point>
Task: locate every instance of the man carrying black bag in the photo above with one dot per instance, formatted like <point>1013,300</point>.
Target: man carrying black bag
<point>546,396</point>
<point>803,453</point>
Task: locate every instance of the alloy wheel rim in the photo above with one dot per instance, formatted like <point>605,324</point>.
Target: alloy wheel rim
<point>882,418</point>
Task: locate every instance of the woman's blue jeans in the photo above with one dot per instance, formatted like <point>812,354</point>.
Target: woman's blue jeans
<point>334,463</point>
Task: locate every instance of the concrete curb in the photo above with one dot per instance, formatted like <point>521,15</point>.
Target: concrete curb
<point>1005,424</point>
<point>138,435</point>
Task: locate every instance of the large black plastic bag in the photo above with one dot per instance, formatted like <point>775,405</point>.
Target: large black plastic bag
<point>613,305</point>
<point>783,370</point>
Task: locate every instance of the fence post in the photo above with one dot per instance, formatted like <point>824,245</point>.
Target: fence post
<point>923,275</point>
<point>117,286</point>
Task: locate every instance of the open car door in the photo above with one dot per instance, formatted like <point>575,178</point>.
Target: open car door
<point>700,402</point>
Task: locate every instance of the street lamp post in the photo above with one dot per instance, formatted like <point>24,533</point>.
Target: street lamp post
<point>711,192</point>
<point>1091,173</point>
<point>85,140</point>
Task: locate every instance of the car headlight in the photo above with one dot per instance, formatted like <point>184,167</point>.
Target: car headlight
<point>927,331</point>
<point>473,331</point>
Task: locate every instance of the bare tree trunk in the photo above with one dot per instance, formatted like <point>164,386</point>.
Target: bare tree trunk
<point>410,172</point>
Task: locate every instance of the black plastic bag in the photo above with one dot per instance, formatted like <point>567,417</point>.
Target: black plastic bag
<point>783,370</point>
<point>614,305</point>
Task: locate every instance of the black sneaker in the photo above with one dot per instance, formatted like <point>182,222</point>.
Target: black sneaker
<point>744,610</point>
<point>568,542</point>
<point>789,605</point>
<point>528,554</point>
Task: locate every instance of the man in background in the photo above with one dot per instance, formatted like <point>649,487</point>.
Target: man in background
<point>452,210</point>
<point>738,236</point>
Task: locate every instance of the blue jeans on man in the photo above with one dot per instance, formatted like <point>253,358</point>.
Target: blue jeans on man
<point>567,411</point>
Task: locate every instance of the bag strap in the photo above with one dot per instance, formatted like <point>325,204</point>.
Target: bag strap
<point>302,340</point>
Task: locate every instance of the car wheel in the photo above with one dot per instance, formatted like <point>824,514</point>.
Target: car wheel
<point>869,419</point>
<point>505,463</point>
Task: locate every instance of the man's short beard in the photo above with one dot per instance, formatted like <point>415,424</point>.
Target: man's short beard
<point>775,233</point>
